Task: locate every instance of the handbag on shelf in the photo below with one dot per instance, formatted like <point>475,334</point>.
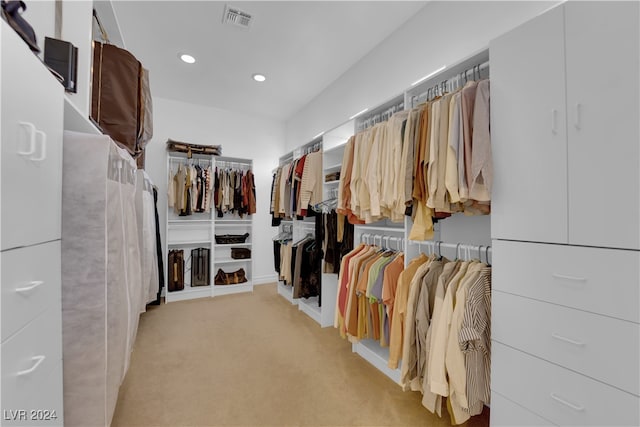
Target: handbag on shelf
<point>240,253</point>
<point>223,239</point>
<point>176,270</point>
<point>200,267</point>
<point>233,278</point>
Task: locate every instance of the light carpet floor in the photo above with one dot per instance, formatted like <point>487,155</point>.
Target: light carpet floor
<point>253,359</point>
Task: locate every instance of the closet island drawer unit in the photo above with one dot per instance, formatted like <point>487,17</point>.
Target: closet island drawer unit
<point>31,133</point>
<point>563,396</point>
<point>594,345</point>
<point>30,283</point>
<point>601,281</point>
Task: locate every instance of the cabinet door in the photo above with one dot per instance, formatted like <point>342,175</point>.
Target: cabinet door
<point>31,136</point>
<point>602,42</point>
<point>528,132</point>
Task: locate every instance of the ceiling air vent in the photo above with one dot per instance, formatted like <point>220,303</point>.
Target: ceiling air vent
<point>236,17</point>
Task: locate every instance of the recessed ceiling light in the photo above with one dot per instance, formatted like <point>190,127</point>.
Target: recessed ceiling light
<point>187,58</point>
<point>259,77</point>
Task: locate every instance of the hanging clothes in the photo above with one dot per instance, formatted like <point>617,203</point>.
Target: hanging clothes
<point>428,162</point>
<point>441,334</point>
<point>190,188</point>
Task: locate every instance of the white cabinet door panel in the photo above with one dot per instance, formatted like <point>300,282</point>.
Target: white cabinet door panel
<point>601,281</point>
<point>571,338</point>
<point>31,136</point>
<point>563,396</point>
<point>528,132</point>
<point>603,102</point>
<point>30,284</point>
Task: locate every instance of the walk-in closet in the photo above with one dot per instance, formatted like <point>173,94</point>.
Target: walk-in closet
<point>262,213</point>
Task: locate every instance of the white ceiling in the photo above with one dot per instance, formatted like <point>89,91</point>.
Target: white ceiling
<point>301,46</point>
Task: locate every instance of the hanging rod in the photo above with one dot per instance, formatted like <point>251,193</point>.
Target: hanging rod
<point>447,85</point>
<point>380,116</point>
<point>437,246</point>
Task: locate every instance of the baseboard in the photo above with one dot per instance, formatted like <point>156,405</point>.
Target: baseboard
<point>265,280</point>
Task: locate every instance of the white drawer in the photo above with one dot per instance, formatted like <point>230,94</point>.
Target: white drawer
<point>29,357</point>
<point>41,406</point>
<point>31,138</point>
<point>30,284</point>
<point>571,338</point>
<point>557,394</point>
<point>506,413</point>
<point>602,281</point>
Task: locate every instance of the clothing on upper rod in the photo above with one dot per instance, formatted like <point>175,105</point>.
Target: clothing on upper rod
<point>296,186</point>
<point>234,191</point>
<point>429,162</point>
<point>190,186</point>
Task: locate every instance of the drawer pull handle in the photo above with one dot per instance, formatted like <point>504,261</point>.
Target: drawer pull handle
<point>43,147</point>
<point>565,339</point>
<point>564,402</point>
<point>575,279</point>
<point>32,286</point>
<point>38,359</point>
<point>554,121</point>
<point>32,138</point>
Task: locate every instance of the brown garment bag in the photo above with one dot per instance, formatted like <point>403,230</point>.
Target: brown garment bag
<point>121,98</point>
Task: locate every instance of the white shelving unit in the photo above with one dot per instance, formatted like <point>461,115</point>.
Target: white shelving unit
<point>232,223</point>
<point>187,233</point>
<point>199,230</point>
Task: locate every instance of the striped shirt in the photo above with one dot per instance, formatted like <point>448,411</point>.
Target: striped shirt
<point>475,341</point>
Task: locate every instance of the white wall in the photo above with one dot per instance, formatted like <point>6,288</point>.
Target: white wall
<point>240,135</point>
<point>77,18</point>
<point>441,33</point>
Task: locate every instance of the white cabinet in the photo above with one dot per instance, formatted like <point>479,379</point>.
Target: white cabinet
<point>32,108</point>
<point>528,135</point>
<point>566,217</point>
<point>560,395</point>
<point>603,44</point>
<point>564,101</point>
<point>31,120</point>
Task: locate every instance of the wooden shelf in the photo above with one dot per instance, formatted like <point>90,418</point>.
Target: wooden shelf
<point>228,245</point>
